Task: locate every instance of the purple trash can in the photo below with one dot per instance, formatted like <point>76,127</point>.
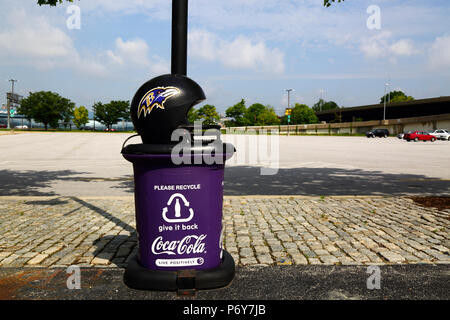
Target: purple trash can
<point>178,212</point>
<point>178,205</point>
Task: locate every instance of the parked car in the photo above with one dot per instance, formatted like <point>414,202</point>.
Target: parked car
<point>400,135</point>
<point>110,130</point>
<point>3,126</point>
<point>441,134</point>
<point>21,127</point>
<point>377,133</point>
<point>419,135</point>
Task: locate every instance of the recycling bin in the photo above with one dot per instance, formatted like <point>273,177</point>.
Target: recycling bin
<point>178,182</point>
<point>178,212</point>
<point>178,187</point>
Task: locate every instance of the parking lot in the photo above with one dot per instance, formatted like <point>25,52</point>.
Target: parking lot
<point>90,164</point>
<point>71,202</point>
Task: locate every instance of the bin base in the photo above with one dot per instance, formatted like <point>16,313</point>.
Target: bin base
<point>138,277</point>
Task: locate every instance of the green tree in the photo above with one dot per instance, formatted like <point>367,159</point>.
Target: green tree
<point>326,3</point>
<point>253,114</point>
<point>46,107</point>
<point>260,115</point>
<point>193,115</point>
<point>51,2</point>
<point>110,113</point>
<point>80,116</point>
<point>208,114</point>
<point>302,114</point>
<point>237,112</point>
<point>396,96</point>
<point>268,117</point>
<point>67,112</point>
<point>323,105</point>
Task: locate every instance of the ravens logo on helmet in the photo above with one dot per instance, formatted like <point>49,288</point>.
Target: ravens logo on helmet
<point>155,98</point>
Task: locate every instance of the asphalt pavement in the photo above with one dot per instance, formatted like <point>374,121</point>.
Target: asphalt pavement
<point>90,164</point>
<point>397,282</point>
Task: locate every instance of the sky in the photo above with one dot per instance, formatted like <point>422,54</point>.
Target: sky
<point>237,49</point>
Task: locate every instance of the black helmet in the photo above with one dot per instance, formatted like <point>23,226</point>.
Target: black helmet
<point>161,105</point>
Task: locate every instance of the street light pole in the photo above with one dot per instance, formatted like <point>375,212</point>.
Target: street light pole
<point>384,109</point>
<point>321,91</point>
<point>289,106</point>
<point>8,104</point>
<point>289,101</point>
<point>93,108</point>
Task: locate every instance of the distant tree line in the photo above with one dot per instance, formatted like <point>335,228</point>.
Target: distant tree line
<point>255,115</point>
<point>49,108</point>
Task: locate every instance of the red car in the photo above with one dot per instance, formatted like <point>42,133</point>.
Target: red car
<point>419,135</point>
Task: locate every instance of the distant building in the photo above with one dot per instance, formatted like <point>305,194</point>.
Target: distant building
<point>409,109</point>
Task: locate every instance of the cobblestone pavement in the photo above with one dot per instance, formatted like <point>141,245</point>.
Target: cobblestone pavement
<point>60,231</point>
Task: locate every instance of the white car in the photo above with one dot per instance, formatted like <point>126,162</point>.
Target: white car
<point>21,127</point>
<point>441,134</point>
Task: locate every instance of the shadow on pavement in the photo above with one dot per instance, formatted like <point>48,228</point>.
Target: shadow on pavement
<point>243,180</point>
<point>105,214</point>
<point>49,202</point>
<point>107,246</point>
<point>32,183</point>
<point>246,180</point>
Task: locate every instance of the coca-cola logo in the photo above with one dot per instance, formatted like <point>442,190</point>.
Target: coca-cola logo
<point>189,244</point>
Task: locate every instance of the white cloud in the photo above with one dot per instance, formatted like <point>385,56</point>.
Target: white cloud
<point>28,39</point>
<point>113,57</point>
<point>137,53</point>
<point>241,53</point>
<point>439,53</point>
<point>33,37</point>
<point>134,50</point>
<point>202,44</point>
<point>402,48</point>
<point>376,45</point>
<point>31,40</point>
<point>381,45</point>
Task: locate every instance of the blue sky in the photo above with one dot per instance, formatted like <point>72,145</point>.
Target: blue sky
<point>251,49</point>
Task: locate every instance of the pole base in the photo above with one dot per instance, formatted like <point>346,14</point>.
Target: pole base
<point>140,278</point>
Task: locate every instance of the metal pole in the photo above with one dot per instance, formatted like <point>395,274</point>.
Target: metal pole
<point>94,115</point>
<point>179,36</point>
<point>321,98</point>
<point>8,108</point>
<point>389,97</point>
<point>8,104</point>
<point>289,106</point>
<point>384,109</point>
